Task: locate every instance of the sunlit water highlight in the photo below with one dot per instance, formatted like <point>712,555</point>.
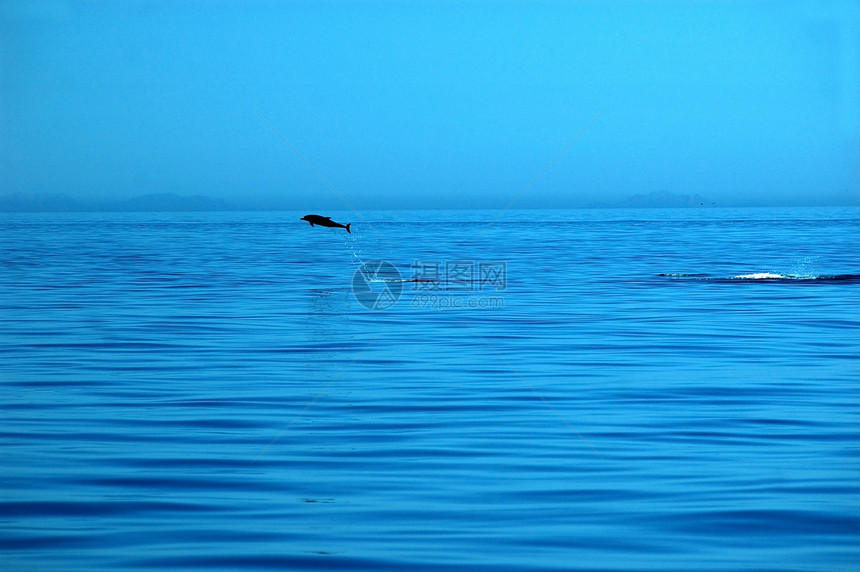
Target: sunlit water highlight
<point>204,391</point>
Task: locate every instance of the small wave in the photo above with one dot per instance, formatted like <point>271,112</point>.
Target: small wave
<point>682,275</point>
<point>763,276</point>
<point>806,278</point>
<point>771,277</point>
<point>377,280</point>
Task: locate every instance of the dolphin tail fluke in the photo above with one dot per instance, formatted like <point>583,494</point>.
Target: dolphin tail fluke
<point>347,228</point>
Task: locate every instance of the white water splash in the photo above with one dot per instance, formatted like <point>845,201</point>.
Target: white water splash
<point>762,276</point>
<point>805,269</point>
<point>351,243</point>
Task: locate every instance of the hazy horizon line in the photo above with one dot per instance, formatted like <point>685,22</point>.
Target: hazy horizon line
<point>47,201</point>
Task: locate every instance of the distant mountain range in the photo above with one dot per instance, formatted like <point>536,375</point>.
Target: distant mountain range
<point>171,202</point>
<point>55,202</point>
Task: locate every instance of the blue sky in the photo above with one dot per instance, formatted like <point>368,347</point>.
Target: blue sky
<point>433,104</point>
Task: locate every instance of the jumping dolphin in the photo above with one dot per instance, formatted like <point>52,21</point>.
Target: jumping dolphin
<point>324,221</point>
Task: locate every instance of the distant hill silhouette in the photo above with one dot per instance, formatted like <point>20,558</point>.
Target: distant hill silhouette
<point>168,202</point>
<point>58,202</point>
<point>663,199</point>
<point>171,202</point>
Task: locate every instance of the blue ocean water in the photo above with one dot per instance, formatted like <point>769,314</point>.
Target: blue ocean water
<point>556,390</point>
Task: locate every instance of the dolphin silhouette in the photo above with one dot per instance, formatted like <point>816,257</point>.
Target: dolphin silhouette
<point>324,221</point>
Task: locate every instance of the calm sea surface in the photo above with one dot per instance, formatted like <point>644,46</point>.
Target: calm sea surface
<point>560,390</point>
